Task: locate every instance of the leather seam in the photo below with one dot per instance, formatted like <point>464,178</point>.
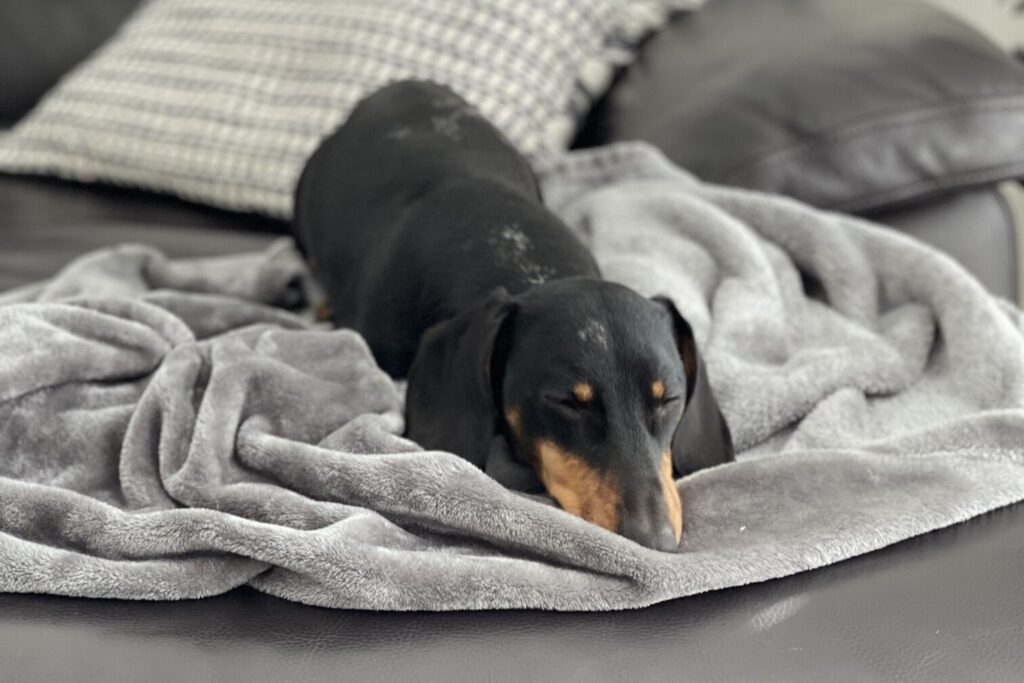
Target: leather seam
<point>867,125</point>
<point>927,186</point>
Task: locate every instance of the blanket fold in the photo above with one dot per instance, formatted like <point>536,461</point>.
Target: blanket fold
<point>175,429</point>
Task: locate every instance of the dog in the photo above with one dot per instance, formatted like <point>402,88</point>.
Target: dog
<point>426,229</point>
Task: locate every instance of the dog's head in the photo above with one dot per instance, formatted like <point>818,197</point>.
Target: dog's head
<point>599,390</point>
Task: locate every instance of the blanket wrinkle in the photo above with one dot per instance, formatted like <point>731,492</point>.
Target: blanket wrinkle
<point>173,429</point>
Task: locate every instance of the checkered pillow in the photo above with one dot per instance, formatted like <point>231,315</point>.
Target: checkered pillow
<point>222,101</point>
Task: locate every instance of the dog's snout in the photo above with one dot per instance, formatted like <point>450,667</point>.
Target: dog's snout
<point>646,520</point>
<point>644,507</point>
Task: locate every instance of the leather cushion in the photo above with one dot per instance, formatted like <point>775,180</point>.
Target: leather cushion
<point>46,223</point>
<point>846,104</point>
<point>42,39</point>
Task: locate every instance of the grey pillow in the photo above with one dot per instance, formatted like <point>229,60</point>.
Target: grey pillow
<point>846,104</point>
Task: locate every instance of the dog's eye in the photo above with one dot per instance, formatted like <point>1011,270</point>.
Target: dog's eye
<point>667,402</point>
<point>568,405</point>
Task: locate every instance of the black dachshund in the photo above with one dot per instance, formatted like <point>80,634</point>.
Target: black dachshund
<point>426,228</point>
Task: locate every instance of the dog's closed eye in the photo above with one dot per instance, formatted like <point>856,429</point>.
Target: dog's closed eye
<point>572,404</point>
<point>569,405</point>
<point>666,402</point>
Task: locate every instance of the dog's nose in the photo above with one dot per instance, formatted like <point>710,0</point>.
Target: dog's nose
<point>653,535</point>
<point>645,520</point>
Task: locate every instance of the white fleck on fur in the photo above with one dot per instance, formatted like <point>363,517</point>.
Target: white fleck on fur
<point>399,133</point>
<point>594,332</point>
<point>447,101</point>
<point>449,123</point>
<point>512,247</point>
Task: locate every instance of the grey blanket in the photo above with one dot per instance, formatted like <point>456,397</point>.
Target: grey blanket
<point>168,430</point>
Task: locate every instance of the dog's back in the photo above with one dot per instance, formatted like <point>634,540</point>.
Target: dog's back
<point>416,208</point>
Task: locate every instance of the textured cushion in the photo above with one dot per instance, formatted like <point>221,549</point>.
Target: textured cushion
<point>221,101</point>
<point>846,104</point>
<point>41,39</point>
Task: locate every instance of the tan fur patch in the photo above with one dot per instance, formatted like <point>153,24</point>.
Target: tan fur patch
<point>514,421</point>
<point>671,493</point>
<point>579,488</point>
<point>583,391</point>
<point>658,389</point>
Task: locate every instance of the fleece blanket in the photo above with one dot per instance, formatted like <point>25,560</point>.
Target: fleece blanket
<point>169,430</point>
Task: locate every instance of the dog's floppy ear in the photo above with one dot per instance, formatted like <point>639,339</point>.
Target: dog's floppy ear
<point>702,438</point>
<point>454,381</point>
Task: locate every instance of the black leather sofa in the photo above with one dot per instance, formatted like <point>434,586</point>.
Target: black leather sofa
<point>946,606</point>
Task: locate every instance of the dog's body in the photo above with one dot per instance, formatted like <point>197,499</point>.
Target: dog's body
<point>427,189</point>
<point>427,230</point>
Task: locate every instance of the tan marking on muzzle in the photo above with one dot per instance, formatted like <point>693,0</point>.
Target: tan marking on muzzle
<point>671,493</point>
<point>579,488</point>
